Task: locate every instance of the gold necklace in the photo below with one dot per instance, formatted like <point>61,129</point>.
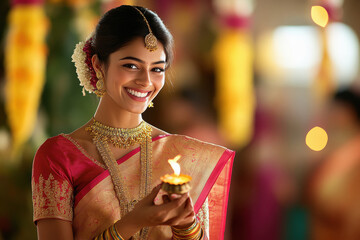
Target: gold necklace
<point>120,137</point>
<point>124,138</point>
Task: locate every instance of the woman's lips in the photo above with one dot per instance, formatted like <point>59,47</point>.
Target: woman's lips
<point>138,95</point>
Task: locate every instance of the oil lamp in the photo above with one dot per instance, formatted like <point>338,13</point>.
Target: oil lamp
<point>175,183</point>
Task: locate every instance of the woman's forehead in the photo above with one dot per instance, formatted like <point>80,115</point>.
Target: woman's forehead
<point>136,48</point>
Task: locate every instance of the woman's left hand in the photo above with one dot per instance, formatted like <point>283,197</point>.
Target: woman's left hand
<point>186,215</point>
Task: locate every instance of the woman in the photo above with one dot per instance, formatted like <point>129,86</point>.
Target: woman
<point>96,181</point>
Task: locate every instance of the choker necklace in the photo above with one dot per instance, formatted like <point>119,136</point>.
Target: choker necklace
<point>120,137</point>
<point>125,138</point>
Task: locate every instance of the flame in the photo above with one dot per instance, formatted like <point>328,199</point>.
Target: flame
<point>319,15</point>
<point>174,165</point>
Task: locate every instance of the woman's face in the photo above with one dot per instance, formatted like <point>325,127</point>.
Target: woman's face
<point>134,76</point>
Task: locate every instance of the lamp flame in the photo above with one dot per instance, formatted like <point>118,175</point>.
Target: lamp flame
<point>174,165</point>
<point>319,15</point>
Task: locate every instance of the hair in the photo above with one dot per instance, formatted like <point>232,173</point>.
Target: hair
<point>351,98</point>
<point>121,25</point>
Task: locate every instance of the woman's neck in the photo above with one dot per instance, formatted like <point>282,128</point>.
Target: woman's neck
<point>114,116</point>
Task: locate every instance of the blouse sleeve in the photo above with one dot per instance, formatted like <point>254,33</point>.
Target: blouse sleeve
<point>52,190</point>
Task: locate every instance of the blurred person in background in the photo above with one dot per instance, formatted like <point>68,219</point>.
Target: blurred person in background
<point>333,190</point>
<point>262,186</point>
<point>188,112</point>
<point>96,181</point>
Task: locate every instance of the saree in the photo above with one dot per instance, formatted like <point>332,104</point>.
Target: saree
<point>69,184</point>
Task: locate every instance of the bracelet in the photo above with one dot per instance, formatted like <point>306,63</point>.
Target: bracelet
<point>192,226</point>
<point>194,232</point>
<point>110,233</point>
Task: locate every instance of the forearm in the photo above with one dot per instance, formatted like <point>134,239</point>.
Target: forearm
<point>123,229</point>
<point>128,226</point>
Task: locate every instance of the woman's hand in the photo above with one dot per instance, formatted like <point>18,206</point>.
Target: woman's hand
<point>174,212</point>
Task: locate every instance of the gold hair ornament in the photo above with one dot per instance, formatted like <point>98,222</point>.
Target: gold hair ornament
<point>150,39</point>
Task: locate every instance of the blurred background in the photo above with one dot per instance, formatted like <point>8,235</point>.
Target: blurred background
<point>277,81</point>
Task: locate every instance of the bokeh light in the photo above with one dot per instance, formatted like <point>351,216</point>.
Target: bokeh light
<point>319,15</point>
<point>316,139</point>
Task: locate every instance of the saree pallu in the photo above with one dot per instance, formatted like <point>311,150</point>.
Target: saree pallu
<point>82,191</point>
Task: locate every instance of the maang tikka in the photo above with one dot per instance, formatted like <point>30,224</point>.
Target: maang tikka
<point>150,39</point>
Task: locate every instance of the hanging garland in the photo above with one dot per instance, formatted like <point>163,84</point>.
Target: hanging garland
<point>233,58</point>
<point>25,63</point>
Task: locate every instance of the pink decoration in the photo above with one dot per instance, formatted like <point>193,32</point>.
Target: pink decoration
<point>235,21</point>
<point>333,11</point>
<point>27,2</point>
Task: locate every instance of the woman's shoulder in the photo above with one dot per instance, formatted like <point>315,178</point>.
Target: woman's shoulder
<point>156,132</point>
<point>54,149</point>
<point>51,157</point>
<point>190,142</point>
<point>54,143</point>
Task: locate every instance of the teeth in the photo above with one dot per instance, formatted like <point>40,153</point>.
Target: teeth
<point>136,94</point>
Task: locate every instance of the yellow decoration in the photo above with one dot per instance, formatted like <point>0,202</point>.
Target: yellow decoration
<point>316,139</point>
<point>85,20</point>
<point>233,53</point>
<point>324,84</point>
<point>319,15</point>
<point>25,62</point>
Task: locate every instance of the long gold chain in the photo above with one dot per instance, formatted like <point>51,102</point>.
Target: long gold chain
<point>101,135</point>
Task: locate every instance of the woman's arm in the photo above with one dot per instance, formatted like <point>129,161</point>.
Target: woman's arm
<point>54,229</point>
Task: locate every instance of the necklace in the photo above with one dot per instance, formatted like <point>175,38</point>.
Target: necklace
<point>124,138</point>
<point>120,137</point>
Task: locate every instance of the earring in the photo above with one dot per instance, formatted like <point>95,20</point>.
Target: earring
<point>151,105</point>
<point>100,88</point>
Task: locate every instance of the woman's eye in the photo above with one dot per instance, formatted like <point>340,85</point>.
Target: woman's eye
<point>131,66</point>
<point>158,70</point>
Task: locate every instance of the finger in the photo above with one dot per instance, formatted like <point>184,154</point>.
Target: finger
<point>151,196</point>
<point>173,207</point>
<point>184,210</point>
<point>175,196</point>
<point>166,198</point>
<point>155,190</point>
<point>180,220</point>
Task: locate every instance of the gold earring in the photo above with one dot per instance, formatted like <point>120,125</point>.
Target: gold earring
<point>151,105</point>
<point>100,86</point>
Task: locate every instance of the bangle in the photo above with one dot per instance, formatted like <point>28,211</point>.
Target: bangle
<point>194,232</point>
<point>192,226</point>
<point>110,234</point>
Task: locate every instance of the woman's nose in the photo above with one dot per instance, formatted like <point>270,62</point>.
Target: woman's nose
<point>144,79</point>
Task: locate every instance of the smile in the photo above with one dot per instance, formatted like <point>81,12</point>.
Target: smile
<point>137,94</point>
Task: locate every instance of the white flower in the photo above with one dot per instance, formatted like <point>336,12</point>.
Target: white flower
<point>82,70</point>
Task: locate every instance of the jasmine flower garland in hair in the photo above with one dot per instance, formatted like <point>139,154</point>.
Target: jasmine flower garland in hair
<point>82,55</point>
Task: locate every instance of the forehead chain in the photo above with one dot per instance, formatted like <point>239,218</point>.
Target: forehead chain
<point>150,39</point>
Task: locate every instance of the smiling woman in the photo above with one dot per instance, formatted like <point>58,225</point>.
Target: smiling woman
<point>101,181</point>
<point>134,76</point>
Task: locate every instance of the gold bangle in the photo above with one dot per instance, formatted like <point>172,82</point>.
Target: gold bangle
<point>192,226</point>
<point>194,232</point>
<point>110,233</point>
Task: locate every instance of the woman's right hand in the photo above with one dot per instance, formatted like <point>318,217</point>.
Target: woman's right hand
<point>146,214</point>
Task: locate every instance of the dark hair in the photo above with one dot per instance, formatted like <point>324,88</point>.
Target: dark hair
<point>349,97</point>
<point>122,24</point>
